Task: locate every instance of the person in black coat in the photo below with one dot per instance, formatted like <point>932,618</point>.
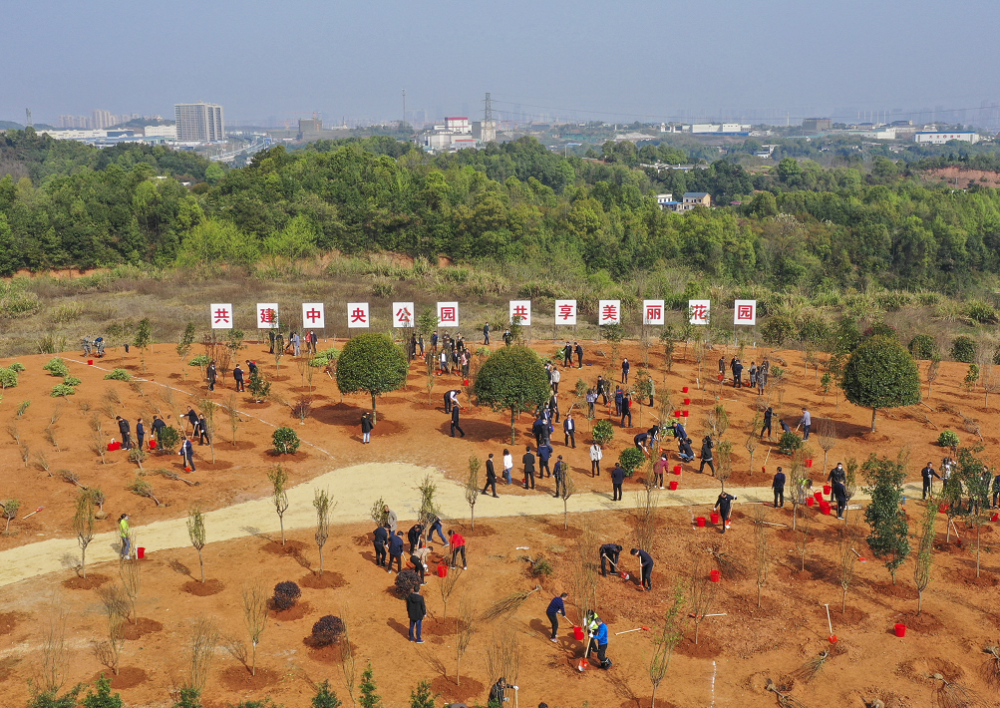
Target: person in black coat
<point>579,355</point>
<point>416,610</point>
<point>837,474</point>
<point>684,450</point>
<point>455,421</point>
<point>926,474</point>
<point>491,476</point>
<point>529,468</point>
<point>645,568</point>
<point>625,369</point>
<point>158,425</point>
<point>768,414</point>
<point>396,551</point>
<point>381,539</point>
<point>544,454</point>
<point>123,428</point>
<point>725,506</point>
<point>609,554</point>
<point>602,389</point>
<point>706,456</point>
<point>238,377</point>
<point>569,429</point>
<point>211,374</point>
<point>140,432</point>
<point>193,419</point>
<point>413,536</point>
<point>203,438</point>
<point>366,428</point>
<point>778,485</point>
<point>619,400</point>
<point>738,374</point>
<point>840,494</point>
<point>251,367</point>
<point>617,479</point>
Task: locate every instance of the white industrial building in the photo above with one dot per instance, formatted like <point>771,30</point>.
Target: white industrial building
<point>720,128</point>
<point>943,137</point>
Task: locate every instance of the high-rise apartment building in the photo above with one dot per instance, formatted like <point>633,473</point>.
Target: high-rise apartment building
<point>199,122</point>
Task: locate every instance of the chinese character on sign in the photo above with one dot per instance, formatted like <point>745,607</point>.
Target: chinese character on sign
<point>403,315</point>
<point>448,315</point>
<point>520,311</point>
<point>699,311</point>
<point>608,312</point>
<point>359,315</point>
<point>745,312</point>
<point>221,315</point>
<point>312,314</point>
<point>654,313</point>
<point>268,316</point>
<point>565,312</point>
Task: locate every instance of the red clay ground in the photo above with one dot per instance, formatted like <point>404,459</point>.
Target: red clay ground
<point>747,646</point>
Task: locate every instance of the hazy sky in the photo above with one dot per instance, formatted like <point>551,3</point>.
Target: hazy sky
<point>619,60</point>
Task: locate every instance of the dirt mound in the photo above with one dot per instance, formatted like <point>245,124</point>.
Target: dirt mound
<point>93,580</point>
<point>205,589</point>
<point>326,581</point>
<point>142,627</point>
<point>127,677</point>
<point>239,678</point>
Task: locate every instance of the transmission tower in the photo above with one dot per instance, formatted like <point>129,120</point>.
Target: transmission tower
<point>27,115</point>
<point>489,129</point>
<point>488,110</point>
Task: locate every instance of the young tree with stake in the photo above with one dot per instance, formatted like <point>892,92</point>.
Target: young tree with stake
<point>466,629</point>
<point>847,557</point>
<point>255,598</point>
<point>196,532</point>
<point>279,494</point>
<point>666,640</point>
<point>889,530</point>
<point>321,502</point>
<point>84,524</point>
<point>568,489</point>
<point>472,488</point>
<point>925,551</point>
<point>762,547</point>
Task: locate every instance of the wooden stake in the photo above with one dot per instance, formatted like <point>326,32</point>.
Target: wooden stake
<point>829,624</point>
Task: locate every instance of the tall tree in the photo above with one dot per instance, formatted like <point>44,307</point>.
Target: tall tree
<point>886,519</point>
<point>881,373</point>
<point>513,379</point>
<point>372,363</point>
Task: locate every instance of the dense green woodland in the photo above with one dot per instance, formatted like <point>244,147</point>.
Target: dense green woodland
<point>800,226</point>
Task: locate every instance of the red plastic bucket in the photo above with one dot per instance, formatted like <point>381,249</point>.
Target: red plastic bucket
<point>677,414</point>
<point>90,362</point>
<point>810,501</point>
<point>677,469</point>
<point>809,463</point>
<point>140,552</point>
<point>995,517</point>
<point>578,633</point>
<point>684,414</point>
<point>900,630</point>
<point>152,444</point>
<point>687,401</point>
<point>684,390</point>
<point>715,518</point>
<point>465,382</point>
<point>825,508</point>
<point>818,495</point>
<point>442,571</point>
<point>673,484</point>
<point>827,489</point>
<point>720,377</point>
<point>715,576</point>
<point>700,521</point>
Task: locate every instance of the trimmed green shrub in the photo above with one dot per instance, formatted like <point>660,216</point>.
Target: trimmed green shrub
<point>948,438</point>
<point>789,443</point>
<point>169,439</point>
<point>119,375</point>
<point>8,378</point>
<point>57,367</point>
<point>923,346</point>
<point>604,432</point>
<point>963,349</point>
<point>62,390</point>
<point>72,381</point>
<point>17,366</point>
<point>630,459</point>
<point>286,442</point>
<point>201,360</point>
<point>325,357</point>
<point>881,374</point>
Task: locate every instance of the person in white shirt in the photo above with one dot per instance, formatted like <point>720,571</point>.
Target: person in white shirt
<point>596,454</point>
<point>508,465</point>
<point>554,377</point>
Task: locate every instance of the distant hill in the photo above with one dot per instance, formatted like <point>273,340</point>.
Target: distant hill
<point>10,125</point>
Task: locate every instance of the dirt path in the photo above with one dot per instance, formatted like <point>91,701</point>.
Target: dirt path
<point>354,489</point>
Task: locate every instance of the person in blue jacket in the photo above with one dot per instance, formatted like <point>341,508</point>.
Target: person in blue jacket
<point>601,638</point>
<point>556,607</point>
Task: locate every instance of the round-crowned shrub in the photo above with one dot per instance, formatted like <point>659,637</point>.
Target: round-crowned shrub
<point>17,366</point>
<point>119,375</point>
<point>604,432</point>
<point>630,459</point>
<point>881,329</point>
<point>286,594</point>
<point>963,349</point>
<point>948,438</point>
<point>407,582</point>
<point>923,346</point>
<point>286,442</point>
<point>169,439</point>
<point>8,378</point>
<point>327,630</point>
<point>789,443</point>
<point>57,367</point>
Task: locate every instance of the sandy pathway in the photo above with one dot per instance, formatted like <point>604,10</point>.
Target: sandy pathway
<point>354,489</point>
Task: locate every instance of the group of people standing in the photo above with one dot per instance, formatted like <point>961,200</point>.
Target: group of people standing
<point>279,344</point>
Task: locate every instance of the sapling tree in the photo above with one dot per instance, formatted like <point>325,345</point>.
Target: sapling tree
<point>196,532</point>
<point>369,697</point>
<point>84,525</point>
<point>925,551</point>
<point>115,605</point>
<point>184,345</point>
<point>753,441</point>
<point>802,538</point>
<point>472,488</point>
<point>701,594</point>
<point>933,371</point>
<point>234,415</point>
<point>762,547</point>
<point>826,431</point>
<point>889,529</point>
<point>667,639</point>
<point>568,489</point>
<point>255,617</point>
<point>447,586</point>
<point>203,641</point>
<point>323,506</point>
<point>466,629</point>
<point>143,338</point>
<point>347,662</point>
<point>279,495</point>
<point>130,572</point>
<point>208,409</point>
<point>970,473</point>
<point>325,696</point>
<point>847,558</point>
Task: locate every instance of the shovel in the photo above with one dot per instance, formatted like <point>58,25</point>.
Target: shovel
<point>829,625</point>
<point>33,513</point>
<point>644,629</point>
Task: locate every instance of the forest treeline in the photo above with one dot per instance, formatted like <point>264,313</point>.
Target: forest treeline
<point>798,227</point>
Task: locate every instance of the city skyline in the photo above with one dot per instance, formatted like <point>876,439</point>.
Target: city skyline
<point>559,60</point>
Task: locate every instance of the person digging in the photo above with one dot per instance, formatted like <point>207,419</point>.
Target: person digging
<point>725,506</point>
